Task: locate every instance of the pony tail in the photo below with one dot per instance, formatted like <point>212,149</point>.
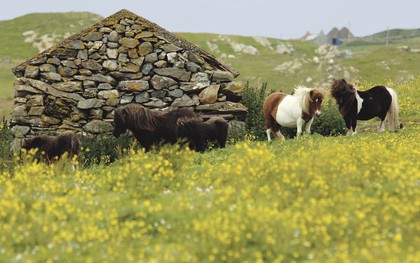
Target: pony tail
<point>392,115</point>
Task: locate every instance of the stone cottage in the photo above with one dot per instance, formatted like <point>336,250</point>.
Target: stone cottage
<point>77,84</point>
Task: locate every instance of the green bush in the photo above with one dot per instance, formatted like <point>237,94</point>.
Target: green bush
<point>253,99</point>
<point>6,138</point>
<point>104,149</point>
<point>330,123</point>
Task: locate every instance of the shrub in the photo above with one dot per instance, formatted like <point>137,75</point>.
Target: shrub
<point>330,123</point>
<point>253,99</point>
<point>104,149</point>
<point>6,138</point>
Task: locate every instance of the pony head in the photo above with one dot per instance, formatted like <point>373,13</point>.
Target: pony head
<point>341,89</point>
<point>33,143</point>
<point>315,100</point>
<point>120,115</point>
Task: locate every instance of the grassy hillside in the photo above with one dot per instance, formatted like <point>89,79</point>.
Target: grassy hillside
<point>318,199</point>
<point>391,36</point>
<point>282,64</point>
<point>25,36</point>
<point>307,64</point>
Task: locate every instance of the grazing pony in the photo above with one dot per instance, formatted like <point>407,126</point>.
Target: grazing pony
<point>354,105</point>
<point>199,133</point>
<point>51,148</point>
<point>149,127</point>
<point>292,111</point>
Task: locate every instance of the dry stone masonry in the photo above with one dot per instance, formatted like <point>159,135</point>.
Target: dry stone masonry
<point>77,84</point>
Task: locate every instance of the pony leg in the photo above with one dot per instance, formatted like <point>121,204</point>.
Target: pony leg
<point>308,126</point>
<point>381,127</point>
<point>349,127</point>
<point>268,131</point>
<point>353,126</point>
<point>279,135</point>
<point>300,122</point>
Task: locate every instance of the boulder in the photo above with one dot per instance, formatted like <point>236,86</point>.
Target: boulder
<point>133,85</point>
<point>209,94</point>
<point>160,82</point>
<point>89,104</point>
<point>98,127</point>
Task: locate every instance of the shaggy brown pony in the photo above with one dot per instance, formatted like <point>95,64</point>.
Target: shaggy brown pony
<point>149,127</point>
<point>51,148</point>
<point>199,133</point>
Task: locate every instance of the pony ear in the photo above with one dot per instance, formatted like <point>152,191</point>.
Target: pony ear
<point>311,94</point>
<point>342,81</point>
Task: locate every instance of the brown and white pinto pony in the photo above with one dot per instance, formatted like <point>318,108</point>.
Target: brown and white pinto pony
<point>51,148</point>
<point>292,111</point>
<point>354,105</point>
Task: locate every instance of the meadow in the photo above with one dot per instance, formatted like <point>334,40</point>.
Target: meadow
<point>282,63</point>
<point>310,199</point>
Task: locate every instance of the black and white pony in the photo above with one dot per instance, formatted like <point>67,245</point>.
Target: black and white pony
<point>354,105</point>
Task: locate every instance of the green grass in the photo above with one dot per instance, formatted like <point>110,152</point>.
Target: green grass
<point>349,199</point>
<point>314,198</point>
<point>13,45</point>
<point>370,59</point>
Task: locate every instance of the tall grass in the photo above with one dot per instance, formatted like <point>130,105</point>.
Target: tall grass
<point>347,199</point>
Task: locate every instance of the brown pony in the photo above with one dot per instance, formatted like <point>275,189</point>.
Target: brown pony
<point>199,133</point>
<point>51,148</point>
<point>149,127</point>
<point>292,111</point>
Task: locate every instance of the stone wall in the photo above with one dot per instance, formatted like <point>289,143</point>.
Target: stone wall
<point>124,59</point>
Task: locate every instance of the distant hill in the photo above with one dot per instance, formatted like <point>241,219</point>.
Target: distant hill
<point>283,64</point>
<point>25,36</point>
<point>391,36</point>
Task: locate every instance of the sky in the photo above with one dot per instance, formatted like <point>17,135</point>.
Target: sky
<point>267,18</point>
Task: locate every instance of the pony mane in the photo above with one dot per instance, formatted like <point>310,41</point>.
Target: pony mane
<point>142,118</point>
<point>341,86</point>
<point>302,93</point>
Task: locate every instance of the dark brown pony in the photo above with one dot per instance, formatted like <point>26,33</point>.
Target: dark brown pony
<point>199,133</point>
<point>354,105</point>
<point>51,148</point>
<point>149,127</point>
<point>292,111</point>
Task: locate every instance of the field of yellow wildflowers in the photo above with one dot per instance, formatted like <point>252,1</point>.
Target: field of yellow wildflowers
<point>311,199</point>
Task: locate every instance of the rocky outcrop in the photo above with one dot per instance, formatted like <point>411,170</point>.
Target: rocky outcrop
<point>123,59</point>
